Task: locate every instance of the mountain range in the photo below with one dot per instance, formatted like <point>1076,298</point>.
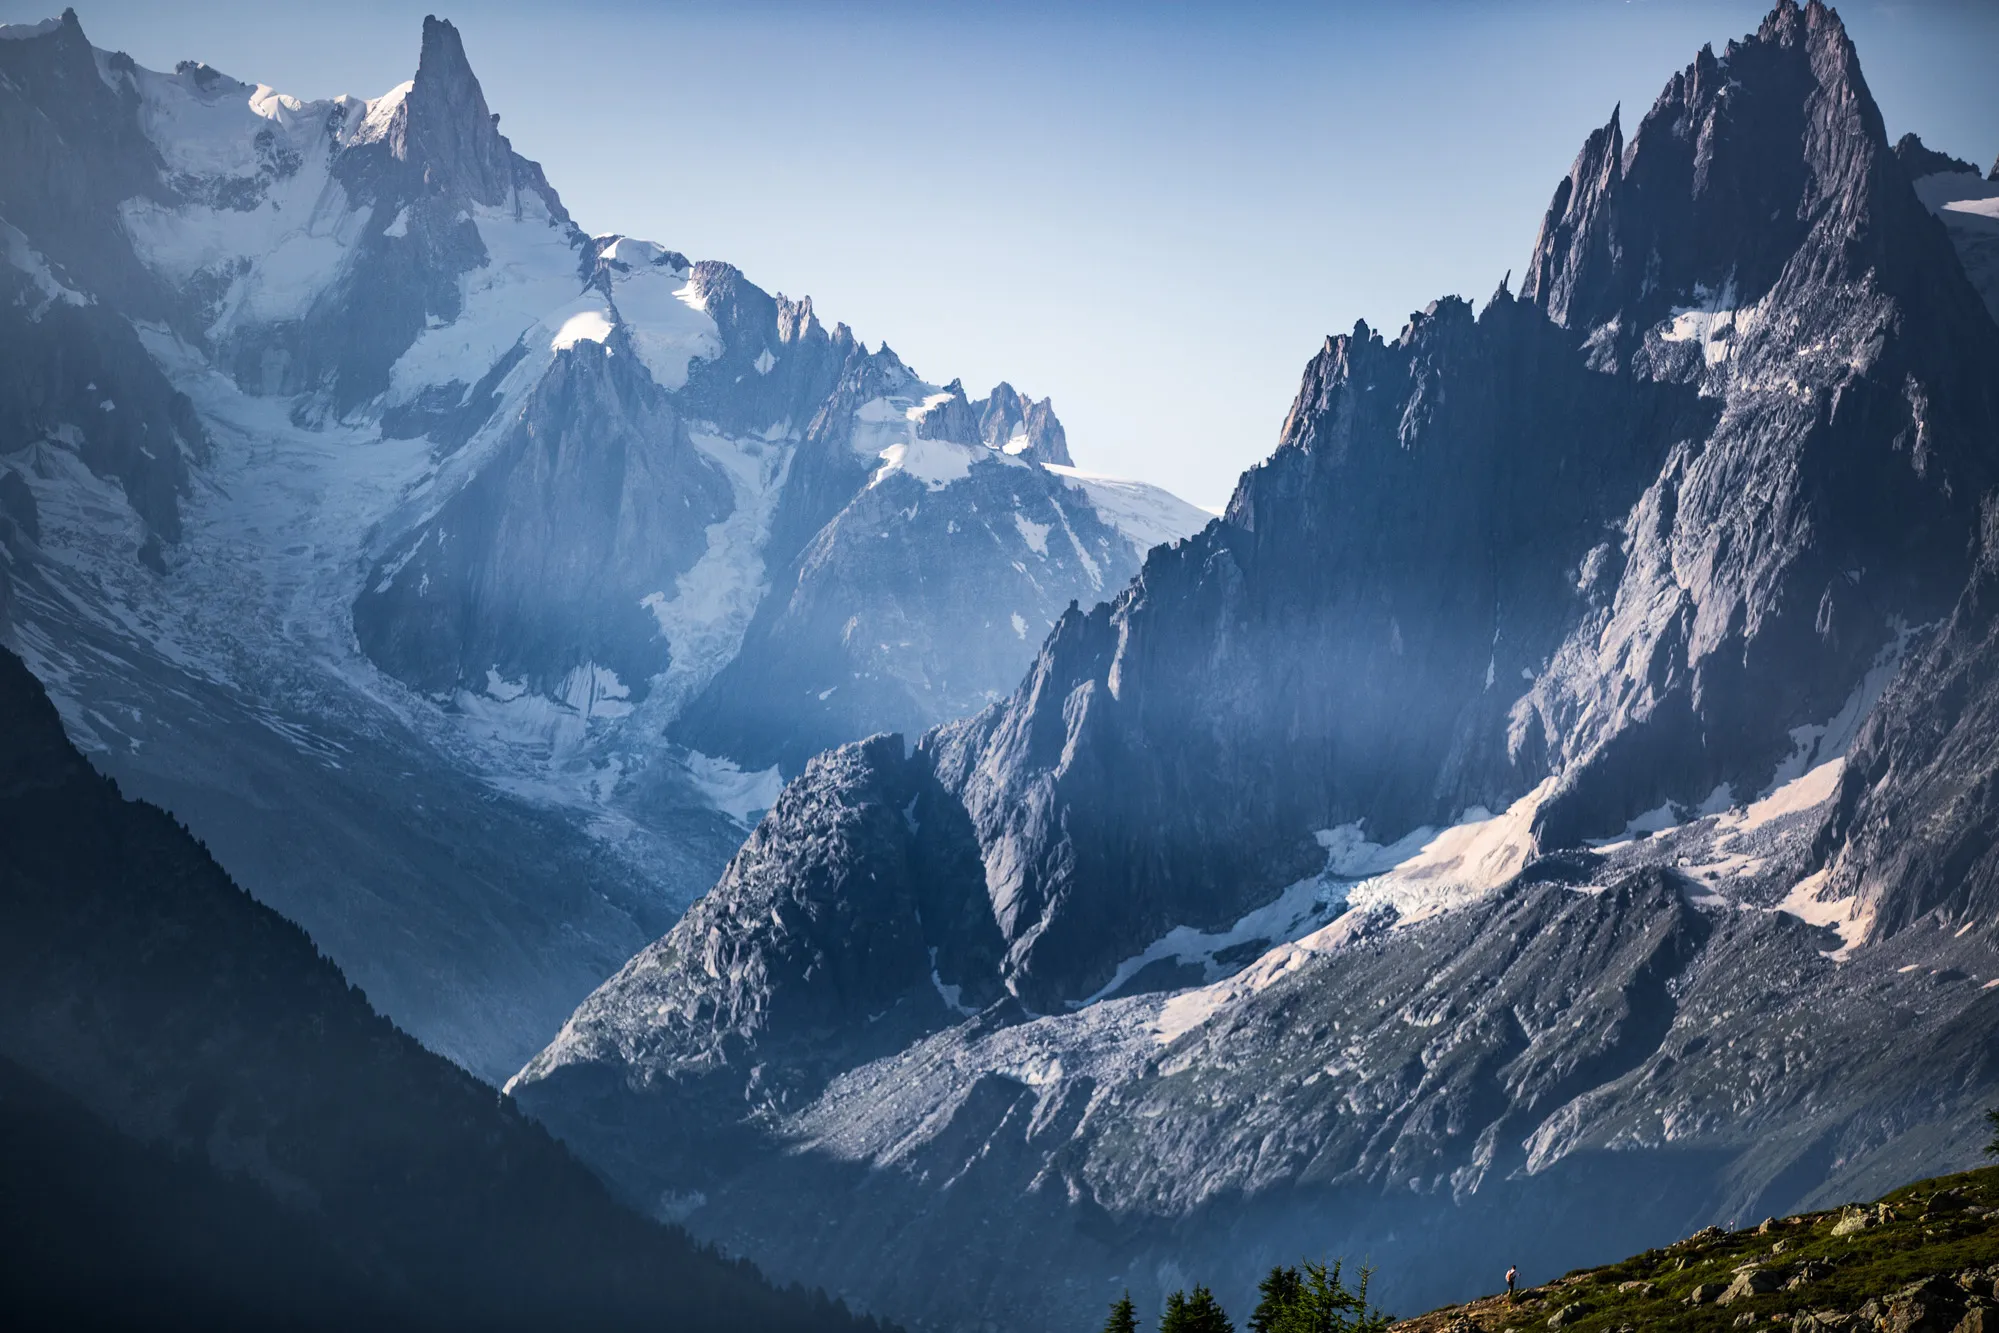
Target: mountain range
<point>1551,809</point>
<point>467,581</point>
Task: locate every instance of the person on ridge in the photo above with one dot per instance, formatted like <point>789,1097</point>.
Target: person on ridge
<point>1511,1274</point>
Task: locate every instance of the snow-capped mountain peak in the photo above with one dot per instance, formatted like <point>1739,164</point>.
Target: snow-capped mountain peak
<point>343,432</point>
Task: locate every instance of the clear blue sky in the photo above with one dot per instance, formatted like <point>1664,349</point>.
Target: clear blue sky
<point>1153,212</point>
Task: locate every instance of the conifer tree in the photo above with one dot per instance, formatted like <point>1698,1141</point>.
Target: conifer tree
<point>1124,1319</point>
<point>1316,1301</point>
<point>1198,1313</point>
<point>1279,1293</point>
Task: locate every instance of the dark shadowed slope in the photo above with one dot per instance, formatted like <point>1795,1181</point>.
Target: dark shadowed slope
<point>204,1125</point>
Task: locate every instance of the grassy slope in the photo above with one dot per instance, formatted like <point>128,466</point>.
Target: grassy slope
<point>1831,1273</point>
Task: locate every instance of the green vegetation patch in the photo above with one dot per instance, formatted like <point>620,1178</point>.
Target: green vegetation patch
<point>1923,1259</point>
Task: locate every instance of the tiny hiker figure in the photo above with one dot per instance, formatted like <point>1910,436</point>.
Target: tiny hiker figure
<point>1511,1274</point>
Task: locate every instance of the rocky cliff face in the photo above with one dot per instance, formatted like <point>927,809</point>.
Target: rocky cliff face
<point>539,568</point>
<point>1627,559</point>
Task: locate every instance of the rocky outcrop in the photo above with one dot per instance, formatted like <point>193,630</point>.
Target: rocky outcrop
<point>422,162</point>
<point>1019,425</point>
<point>53,100</point>
<point>914,564</point>
<point>1879,476</point>
<point>1794,1270</point>
<point>778,364</point>
<point>1919,160</point>
<point>442,127</point>
<point>848,926</point>
<point>74,378</point>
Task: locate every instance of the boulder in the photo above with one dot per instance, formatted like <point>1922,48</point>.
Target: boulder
<point>1749,1282</point>
<point>1857,1219</point>
<point>1934,1305</point>
<point>1706,1293</point>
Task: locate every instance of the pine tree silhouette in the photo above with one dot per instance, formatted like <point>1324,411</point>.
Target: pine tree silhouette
<point>1280,1291</point>
<point>1198,1313</point>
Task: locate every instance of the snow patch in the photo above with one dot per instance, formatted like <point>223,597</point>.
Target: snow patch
<point>665,321</point>
<point>1420,875</point>
<point>1188,1010</point>
<point>528,282</point>
<point>1962,193</point>
<point>1795,797</point>
<point>1846,915</point>
<point>499,687</point>
<point>1349,855</point>
<point>709,610</point>
<point>381,114</point>
<point>282,229</point>
<point>23,256</point>
<point>1034,534</point>
<point>553,726</point>
<point>935,463</point>
<point>738,793</point>
<point>1712,322</point>
<point>953,996</point>
<point>1299,910</point>
<point>588,326</point>
<point>1460,866</point>
<point>1146,515</point>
